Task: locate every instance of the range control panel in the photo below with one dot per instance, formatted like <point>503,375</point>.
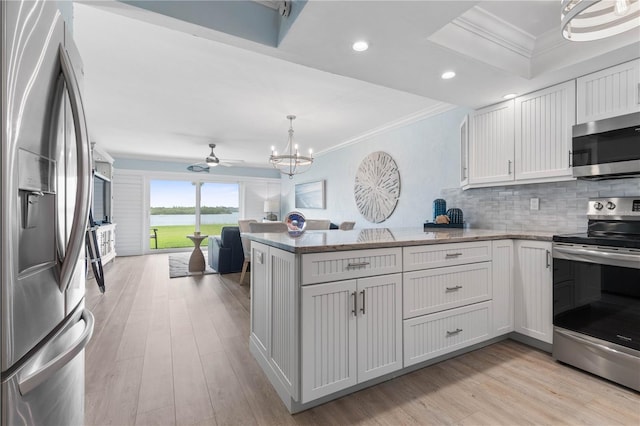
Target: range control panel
<point>616,208</point>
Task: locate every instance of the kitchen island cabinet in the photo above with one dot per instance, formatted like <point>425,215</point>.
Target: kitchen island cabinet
<point>335,312</point>
<point>351,333</point>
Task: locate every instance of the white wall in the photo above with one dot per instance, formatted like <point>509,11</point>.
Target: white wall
<point>254,195</point>
<point>129,194</point>
<point>426,152</point>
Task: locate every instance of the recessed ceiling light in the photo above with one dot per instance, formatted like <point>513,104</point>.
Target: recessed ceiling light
<point>448,75</point>
<point>360,46</point>
<point>509,96</point>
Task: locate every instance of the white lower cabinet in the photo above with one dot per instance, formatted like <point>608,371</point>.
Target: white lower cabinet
<point>503,272</point>
<point>106,238</point>
<point>351,333</point>
<point>274,328</point>
<point>432,335</point>
<point>533,290</point>
<point>434,290</point>
<point>315,339</point>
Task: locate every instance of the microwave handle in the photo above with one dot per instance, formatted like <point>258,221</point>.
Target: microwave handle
<point>570,165</point>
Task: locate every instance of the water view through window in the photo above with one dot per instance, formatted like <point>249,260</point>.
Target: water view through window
<point>174,211</point>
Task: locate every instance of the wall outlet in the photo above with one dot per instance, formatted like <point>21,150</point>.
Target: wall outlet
<point>534,204</point>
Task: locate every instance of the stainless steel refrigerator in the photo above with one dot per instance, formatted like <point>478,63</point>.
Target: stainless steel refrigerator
<point>45,196</point>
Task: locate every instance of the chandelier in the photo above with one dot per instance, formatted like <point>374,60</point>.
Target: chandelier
<point>290,162</point>
<point>587,20</point>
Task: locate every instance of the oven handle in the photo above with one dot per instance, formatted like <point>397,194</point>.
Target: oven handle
<point>625,260</point>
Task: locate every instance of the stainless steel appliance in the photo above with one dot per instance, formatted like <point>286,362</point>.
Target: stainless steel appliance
<point>596,292</point>
<point>45,193</point>
<point>607,148</point>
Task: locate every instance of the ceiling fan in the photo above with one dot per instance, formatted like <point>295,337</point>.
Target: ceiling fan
<point>211,160</point>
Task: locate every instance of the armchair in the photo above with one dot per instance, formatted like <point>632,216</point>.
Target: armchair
<point>225,252</point>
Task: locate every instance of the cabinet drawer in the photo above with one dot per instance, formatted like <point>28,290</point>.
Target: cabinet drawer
<point>435,290</point>
<point>437,255</point>
<point>433,335</point>
<point>334,266</point>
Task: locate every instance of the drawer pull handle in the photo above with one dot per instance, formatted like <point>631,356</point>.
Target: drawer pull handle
<point>358,264</point>
<point>454,332</point>
<point>449,255</point>
<point>456,288</point>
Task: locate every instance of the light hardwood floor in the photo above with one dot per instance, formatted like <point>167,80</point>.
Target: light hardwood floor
<point>175,352</point>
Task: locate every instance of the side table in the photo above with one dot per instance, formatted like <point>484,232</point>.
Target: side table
<point>196,261</point>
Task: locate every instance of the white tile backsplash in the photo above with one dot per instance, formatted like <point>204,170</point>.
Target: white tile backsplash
<point>563,205</point>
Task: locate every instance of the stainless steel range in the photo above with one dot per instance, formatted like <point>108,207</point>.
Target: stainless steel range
<point>596,292</point>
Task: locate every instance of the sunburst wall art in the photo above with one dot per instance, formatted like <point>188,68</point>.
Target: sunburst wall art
<point>377,187</point>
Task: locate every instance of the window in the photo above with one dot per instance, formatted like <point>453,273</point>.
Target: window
<point>178,208</point>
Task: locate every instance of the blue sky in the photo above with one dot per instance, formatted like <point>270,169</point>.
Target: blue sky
<point>170,193</point>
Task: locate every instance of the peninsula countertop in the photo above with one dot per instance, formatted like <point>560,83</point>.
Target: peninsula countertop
<point>359,239</point>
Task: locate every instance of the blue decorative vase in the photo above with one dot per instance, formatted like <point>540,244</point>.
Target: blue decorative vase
<point>455,215</point>
<point>439,208</point>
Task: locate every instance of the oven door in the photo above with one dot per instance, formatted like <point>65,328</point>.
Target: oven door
<point>596,292</point>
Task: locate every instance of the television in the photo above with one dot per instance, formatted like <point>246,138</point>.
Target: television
<point>101,204</point>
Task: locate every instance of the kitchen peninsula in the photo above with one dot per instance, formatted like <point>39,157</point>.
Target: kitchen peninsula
<point>333,312</point>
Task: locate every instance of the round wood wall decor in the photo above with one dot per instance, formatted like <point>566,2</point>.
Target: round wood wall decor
<point>377,187</point>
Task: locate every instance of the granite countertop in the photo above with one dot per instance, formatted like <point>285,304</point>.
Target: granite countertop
<point>358,239</point>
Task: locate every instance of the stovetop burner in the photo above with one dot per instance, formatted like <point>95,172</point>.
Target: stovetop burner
<point>613,222</point>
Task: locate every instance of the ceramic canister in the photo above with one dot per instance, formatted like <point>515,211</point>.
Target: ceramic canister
<point>455,215</point>
<point>439,208</point>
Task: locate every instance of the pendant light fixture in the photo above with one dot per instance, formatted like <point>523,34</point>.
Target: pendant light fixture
<point>290,162</point>
<point>587,20</point>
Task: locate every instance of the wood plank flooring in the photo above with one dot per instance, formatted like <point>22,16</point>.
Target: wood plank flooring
<point>175,352</point>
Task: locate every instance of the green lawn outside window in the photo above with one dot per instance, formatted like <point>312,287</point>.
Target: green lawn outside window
<point>175,236</point>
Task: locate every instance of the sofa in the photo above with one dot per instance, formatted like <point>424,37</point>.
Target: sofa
<point>225,251</point>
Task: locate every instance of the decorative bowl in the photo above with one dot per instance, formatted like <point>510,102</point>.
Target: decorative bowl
<point>296,223</point>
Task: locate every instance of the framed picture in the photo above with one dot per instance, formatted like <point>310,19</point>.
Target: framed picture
<point>310,195</point>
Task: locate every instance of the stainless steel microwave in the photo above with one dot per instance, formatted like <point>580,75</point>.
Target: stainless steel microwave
<point>607,149</point>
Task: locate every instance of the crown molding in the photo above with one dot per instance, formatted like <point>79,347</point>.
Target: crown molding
<point>548,42</point>
<point>491,28</point>
<point>436,109</point>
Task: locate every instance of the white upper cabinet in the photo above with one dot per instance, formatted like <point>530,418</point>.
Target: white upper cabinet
<point>491,144</point>
<point>464,151</point>
<point>608,93</point>
<point>543,122</point>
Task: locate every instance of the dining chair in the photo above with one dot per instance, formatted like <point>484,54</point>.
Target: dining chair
<point>317,224</point>
<point>243,224</point>
<point>345,226</point>
<point>268,227</point>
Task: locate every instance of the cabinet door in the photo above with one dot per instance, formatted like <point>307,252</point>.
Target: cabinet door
<point>534,290</point>
<point>464,152</point>
<point>259,296</point>
<point>379,326</point>
<point>610,92</point>
<point>328,338</point>
<point>283,327</point>
<point>543,132</point>
<point>491,138</point>
<point>503,271</point>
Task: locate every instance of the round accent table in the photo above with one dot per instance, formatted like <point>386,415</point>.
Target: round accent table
<point>196,261</point>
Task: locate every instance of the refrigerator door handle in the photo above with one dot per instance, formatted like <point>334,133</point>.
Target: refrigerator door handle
<point>36,378</point>
<point>83,196</point>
